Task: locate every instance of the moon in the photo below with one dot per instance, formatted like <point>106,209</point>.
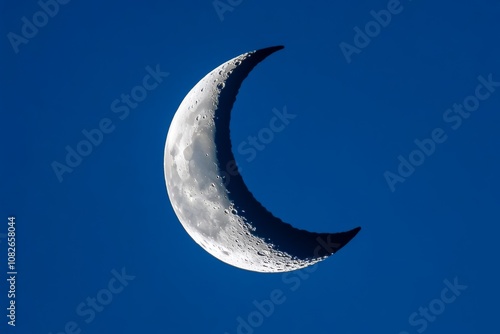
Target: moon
<point>208,194</point>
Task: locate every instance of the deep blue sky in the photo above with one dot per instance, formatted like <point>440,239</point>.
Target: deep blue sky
<point>324,172</point>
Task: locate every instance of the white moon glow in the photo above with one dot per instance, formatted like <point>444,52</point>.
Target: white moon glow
<point>208,194</point>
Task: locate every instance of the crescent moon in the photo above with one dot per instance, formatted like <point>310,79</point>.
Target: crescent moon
<point>208,194</point>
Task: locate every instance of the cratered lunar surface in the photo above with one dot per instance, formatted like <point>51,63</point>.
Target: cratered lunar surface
<point>208,194</point>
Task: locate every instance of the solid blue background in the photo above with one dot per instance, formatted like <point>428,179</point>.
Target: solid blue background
<point>323,172</point>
